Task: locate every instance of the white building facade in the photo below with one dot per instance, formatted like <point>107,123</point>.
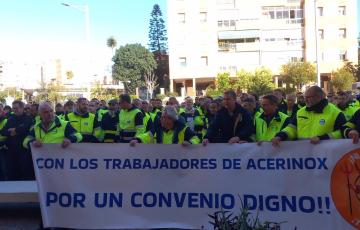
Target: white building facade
<point>207,37</point>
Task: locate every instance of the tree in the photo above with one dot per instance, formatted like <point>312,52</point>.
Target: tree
<point>49,92</point>
<point>102,93</point>
<point>223,82</point>
<point>353,69</point>
<point>158,45</point>
<point>243,80</point>
<point>342,79</point>
<point>298,73</point>
<point>111,43</point>
<point>131,63</point>
<point>69,74</point>
<point>157,31</point>
<point>261,82</point>
<point>151,83</point>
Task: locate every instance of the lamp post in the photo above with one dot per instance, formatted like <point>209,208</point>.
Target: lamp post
<point>85,10</point>
<point>317,47</point>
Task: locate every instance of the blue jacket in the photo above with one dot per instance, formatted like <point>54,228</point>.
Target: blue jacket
<point>226,126</point>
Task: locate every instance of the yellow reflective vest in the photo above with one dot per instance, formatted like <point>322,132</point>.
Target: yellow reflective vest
<point>85,124</point>
<point>267,131</point>
<point>178,135</point>
<point>309,124</point>
<point>131,123</point>
<point>56,133</point>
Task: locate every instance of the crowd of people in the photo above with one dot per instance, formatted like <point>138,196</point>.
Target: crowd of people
<point>230,118</point>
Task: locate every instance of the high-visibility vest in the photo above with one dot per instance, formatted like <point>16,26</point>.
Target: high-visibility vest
<point>311,124</point>
<point>82,124</point>
<point>265,132</point>
<point>127,127</point>
<point>3,121</point>
<point>167,137</point>
<point>349,111</point>
<point>55,134</point>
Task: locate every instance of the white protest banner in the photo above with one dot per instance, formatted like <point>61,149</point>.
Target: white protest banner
<point>109,186</point>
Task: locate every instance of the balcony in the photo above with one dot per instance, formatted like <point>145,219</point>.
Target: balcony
<point>238,47</point>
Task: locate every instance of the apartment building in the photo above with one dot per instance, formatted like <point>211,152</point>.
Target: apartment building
<point>207,37</point>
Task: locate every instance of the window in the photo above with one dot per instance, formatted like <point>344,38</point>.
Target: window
<point>220,24</point>
<point>181,17</point>
<point>232,23</point>
<point>321,33</point>
<point>204,61</point>
<point>342,33</point>
<point>342,55</point>
<point>286,14</point>
<point>320,11</point>
<point>182,61</point>
<point>203,16</point>
<point>226,23</point>
<point>342,10</point>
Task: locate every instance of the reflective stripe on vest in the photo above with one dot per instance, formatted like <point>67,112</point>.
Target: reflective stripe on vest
<point>83,125</point>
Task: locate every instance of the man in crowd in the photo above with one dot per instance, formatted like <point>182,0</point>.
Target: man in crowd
<point>8,111</point>
<point>59,111</point>
<point>18,159</point>
<point>69,107</point>
<point>110,122</point>
<point>171,131</point>
<point>34,112</point>
<point>292,107</point>
<point>84,122</point>
<point>319,120</point>
<point>271,121</point>
<point>200,121</point>
<point>51,129</point>
<point>344,104</point>
<point>144,107</point>
<point>300,100</point>
<point>3,148</point>
<point>131,120</point>
<point>232,124</point>
<point>250,105</point>
<point>280,94</point>
<point>189,113</point>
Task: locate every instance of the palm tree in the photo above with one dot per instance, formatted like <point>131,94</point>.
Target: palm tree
<point>111,43</point>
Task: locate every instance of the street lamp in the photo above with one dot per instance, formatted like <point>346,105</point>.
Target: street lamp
<point>317,47</point>
<point>85,10</point>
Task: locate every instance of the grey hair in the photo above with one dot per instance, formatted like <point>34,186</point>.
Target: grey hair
<point>171,112</point>
<point>45,105</point>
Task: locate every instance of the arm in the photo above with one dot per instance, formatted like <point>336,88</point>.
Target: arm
<point>214,127</point>
<point>336,133</point>
<point>245,128</point>
<point>191,137</point>
<point>288,132</point>
<point>72,134</point>
<point>30,138</point>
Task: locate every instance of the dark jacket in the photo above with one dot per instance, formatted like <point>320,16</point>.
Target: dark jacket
<point>22,126</point>
<point>109,124</point>
<point>282,107</point>
<point>292,115</point>
<point>226,126</point>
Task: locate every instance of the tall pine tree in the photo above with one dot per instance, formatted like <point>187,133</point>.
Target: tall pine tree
<point>158,46</point>
<point>157,32</point>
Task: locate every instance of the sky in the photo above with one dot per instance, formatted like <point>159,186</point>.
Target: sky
<point>37,29</point>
